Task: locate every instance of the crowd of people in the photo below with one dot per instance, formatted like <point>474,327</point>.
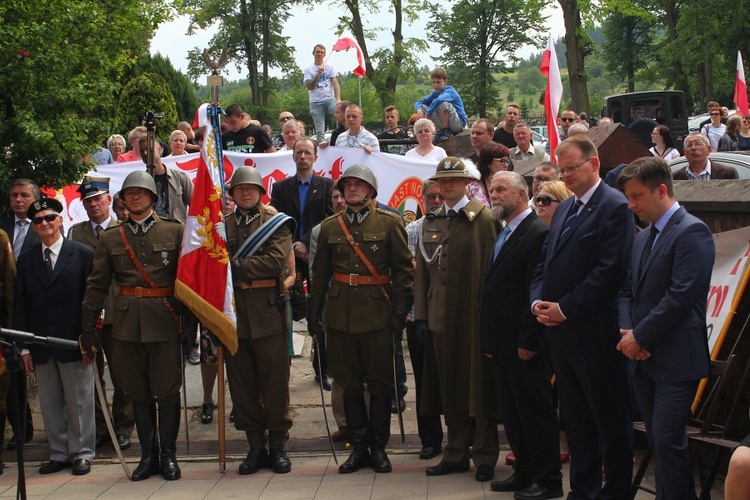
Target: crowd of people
<point>501,286</point>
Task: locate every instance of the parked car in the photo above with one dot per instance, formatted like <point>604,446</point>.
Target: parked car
<point>737,159</point>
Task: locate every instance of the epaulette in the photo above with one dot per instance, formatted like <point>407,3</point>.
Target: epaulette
<point>112,225</point>
<point>331,217</point>
<point>388,212</point>
<point>165,219</point>
<point>270,210</point>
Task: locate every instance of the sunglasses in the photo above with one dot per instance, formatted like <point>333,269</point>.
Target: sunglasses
<point>48,218</point>
<point>567,119</point>
<point>715,114</point>
<point>545,200</point>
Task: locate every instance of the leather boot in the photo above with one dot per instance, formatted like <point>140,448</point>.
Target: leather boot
<point>356,422</point>
<point>145,423</point>
<point>169,427</point>
<point>380,432</point>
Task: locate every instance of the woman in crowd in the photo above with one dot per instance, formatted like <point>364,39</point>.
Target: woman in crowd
<point>743,138</point>
<point>425,131</point>
<point>493,158</point>
<point>177,141</point>
<point>663,142</point>
<point>729,141</point>
<point>714,130</point>
<point>116,145</point>
<point>551,193</point>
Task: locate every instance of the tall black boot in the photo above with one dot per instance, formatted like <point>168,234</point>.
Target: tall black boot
<point>356,422</point>
<point>169,427</point>
<point>145,423</point>
<point>380,432</point>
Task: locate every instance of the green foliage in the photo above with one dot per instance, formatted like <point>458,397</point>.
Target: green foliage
<point>147,92</point>
<point>480,38</point>
<point>182,90</point>
<point>60,61</point>
<point>629,43</point>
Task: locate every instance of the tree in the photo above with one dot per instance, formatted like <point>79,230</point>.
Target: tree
<point>479,38</point>
<point>147,92</point>
<point>180,86</point>
<point>392,63</point>
<point>578,45</point>
<point>60,63</point>
<point>629,43</point>
<point>250,32</point>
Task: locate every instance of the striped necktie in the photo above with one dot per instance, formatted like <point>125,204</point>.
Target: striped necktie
<point>571,216</point>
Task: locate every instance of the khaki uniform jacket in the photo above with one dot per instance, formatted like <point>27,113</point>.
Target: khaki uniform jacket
<point>446,295</point>
<point>358,309</point>
<point>145,319</point>
<point>84,233</point>
<point>257,313</point>
<point>8,277</point>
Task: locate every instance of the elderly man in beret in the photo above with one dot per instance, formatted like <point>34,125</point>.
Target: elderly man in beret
<point>50,286</point>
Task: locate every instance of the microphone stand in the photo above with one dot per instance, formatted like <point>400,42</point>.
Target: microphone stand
<point>14,365</point>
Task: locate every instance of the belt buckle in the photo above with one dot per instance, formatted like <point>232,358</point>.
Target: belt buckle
<point>139,292</point>
<point>354,280</point>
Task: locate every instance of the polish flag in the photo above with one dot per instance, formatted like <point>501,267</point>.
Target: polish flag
<point>347,41</point>
<point>204,274</point>
<point>740,88</point>
<point>552,94</point>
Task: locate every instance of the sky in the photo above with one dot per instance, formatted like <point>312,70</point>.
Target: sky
<point>302,38</point>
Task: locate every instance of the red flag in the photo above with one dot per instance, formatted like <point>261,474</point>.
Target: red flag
<point>347,41</point>
<point>740,88</point>
<point>204,275</point>
<point>552,95</point>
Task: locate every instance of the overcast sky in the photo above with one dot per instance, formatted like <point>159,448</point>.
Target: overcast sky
<point>171,41</point>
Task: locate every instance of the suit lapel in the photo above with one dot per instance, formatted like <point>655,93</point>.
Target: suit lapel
<point>36,261</point>
<point>88,235</point>
<point>63,260</point>
<point>585,211</point>
<point>660,241</point>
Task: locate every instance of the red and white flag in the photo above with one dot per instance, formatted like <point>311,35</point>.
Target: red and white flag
<point>552,94</point>
<point>740,88</point>
<point>204,273</point>
<point>347,41</point>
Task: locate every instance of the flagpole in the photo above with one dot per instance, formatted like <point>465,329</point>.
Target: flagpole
<point>359,84</point>
<point>222,420</point>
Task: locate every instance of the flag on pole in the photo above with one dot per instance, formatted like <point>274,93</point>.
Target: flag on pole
<point>552,94</point>
<point>347,41</point>
<point>740,88</point>
<point>204,274</point>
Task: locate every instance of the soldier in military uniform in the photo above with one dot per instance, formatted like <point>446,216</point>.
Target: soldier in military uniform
<point>364,310</point>
<point>454,250</point>
<point>258,373</point>
<point>96,200</point>
<point>140,257</point>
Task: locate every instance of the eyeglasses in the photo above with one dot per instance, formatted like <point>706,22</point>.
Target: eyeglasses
<point>504,161</point>
<point>567,119</point>
<point>695,145</point>
<point>434,196</point>
<point>715,114</point>
<point>573,168</point>
<point>539,178</point>
<point>545,200</point>
<point>48,218</point>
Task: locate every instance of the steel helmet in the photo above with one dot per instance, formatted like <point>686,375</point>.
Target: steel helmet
<point>358,172</point>
<point>140,179</point>
<point>247,175</point>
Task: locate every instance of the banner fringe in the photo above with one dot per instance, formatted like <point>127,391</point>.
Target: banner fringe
<point>213,319</point>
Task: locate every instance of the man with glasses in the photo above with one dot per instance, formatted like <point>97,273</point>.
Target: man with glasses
<point>278,139</point>
<point>700,167</point>
<point>583,264</point>
<point>50,287</point>
<point>566,120</point>
<point>546,171</point>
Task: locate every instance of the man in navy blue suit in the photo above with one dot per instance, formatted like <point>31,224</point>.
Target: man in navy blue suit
<point>50,285</point>
<point>574,292</point>
<point>663,318</point>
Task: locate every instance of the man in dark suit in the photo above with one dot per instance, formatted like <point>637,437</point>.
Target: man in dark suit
<point>306,198</point>
<point>574,292</point>
<point>700,168</point>
<point>663,318</point>
<point>512,337</point>
<point>22,193</point>
<point>50,286</point>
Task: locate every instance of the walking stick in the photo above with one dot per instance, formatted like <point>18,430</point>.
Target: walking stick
<point>222,422</point>
<point>323,402</point>
<point>108,419</point>
<point>395,385</point>
<point>184,403</point>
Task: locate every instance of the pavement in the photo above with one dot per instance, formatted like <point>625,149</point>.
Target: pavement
<point>314,473</point>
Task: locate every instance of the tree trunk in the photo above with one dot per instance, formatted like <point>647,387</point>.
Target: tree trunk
<point>575,56</point>
<point>702,100</point>
<point>387,93</point>
<point>247,24</point>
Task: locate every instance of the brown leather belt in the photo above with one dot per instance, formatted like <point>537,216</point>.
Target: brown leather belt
<point>357,280</point>
<point>140,291</point>
<point>269,283</point>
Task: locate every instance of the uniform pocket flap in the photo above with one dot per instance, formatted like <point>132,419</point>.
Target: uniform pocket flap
<point>374,236</point>
<point>163,247</point>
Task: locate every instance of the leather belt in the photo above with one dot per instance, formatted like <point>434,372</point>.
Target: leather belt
<point>357,280</point>
<point>269,283</point>
<point>140,291</point>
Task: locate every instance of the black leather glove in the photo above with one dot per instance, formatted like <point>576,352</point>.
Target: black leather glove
<point>89,345</point>
<point>189,328</point>
<point>314,318</point>
<point>401,306</point>
<point>421,331</point>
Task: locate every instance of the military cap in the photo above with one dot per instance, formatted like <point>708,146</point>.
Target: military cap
<point>451,167</point>
<point>93,186</point>
<point>44,204</point>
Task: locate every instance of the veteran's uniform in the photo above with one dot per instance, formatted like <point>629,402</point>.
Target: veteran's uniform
<point>258,373</point>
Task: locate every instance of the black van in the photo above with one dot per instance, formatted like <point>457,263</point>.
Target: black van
<point>642,111</point>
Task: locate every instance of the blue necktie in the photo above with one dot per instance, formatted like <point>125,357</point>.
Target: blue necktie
<point>571,216</point>
<point>501,241</point>
<point>649,245</point>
